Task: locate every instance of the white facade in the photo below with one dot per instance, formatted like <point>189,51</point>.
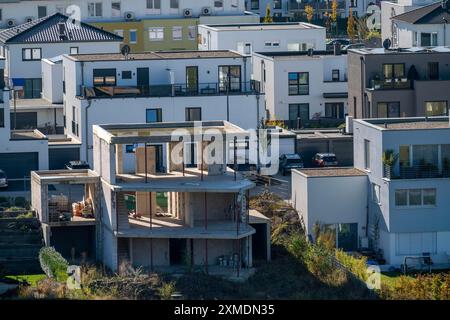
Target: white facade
<point>273,71</point>
<point>390,9</point>
<point>243,107</point>
<point>111,10</point>
<point>318,199</point>
<point>249,38</point>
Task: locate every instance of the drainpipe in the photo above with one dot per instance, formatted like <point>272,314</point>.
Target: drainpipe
<point>87,129</point>
<point>445,22</point>
<point>362,88</point>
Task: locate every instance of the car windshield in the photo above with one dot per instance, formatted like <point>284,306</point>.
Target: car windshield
<point>329,159</point>
<point>294,161</point>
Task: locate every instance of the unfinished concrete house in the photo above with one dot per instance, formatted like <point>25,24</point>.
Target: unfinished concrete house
<point>67,204</point>
<point>169,199</point>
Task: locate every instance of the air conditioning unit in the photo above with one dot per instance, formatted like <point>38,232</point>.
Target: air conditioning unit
<point>187,13</point>
<point>29,19</point>
<point>129,16</point>
<point>10,23</point>
<point>206,11</point>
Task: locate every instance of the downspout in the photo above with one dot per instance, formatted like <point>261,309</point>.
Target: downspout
<point>362,89</point>
<point>86,116</point>
<point>445,29</point>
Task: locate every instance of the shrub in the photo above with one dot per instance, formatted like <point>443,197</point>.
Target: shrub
<point>357,266</point>
<point>166,290</point>
<point>423,287</point>
<point>53,264</point>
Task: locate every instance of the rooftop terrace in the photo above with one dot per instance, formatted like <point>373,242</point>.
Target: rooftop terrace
<point>419,123</point>
<point>332,172</point>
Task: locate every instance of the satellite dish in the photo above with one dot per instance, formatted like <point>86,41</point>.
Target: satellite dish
<point>387,44</point>
<point>125,50</point>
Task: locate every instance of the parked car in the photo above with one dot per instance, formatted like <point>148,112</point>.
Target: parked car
<point>289,162</point>
<point>342,42</point>
<point>325,160</point>
<point>77,165</point>
<point>354,46</point>
<point>3,179</point>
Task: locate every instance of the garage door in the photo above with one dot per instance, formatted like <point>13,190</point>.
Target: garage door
<point>58,158</point>
<point>19,165</point>
<point>25,120</point>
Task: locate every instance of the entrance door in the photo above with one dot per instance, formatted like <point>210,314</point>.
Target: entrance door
<point>159,158</point>
<point>143,79</point>
<point>192,80</point>
<point>347,234</point>
<point>177,249</point>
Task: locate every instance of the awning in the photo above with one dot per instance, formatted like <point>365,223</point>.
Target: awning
<point>334,95</point>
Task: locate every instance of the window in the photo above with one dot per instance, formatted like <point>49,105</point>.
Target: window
<point>415,197</point>
<point>104,77</point>
<point>130,148</point>
<point>366,154</point>
<point>428,39</point>
<point>193,114</point>
<point>376,196</point>
<point>298,110</point>
<point>353,3</point>
<point>177,33</point>
<point>335,75</point>
<point>95,9</point>
<point>436,108</point>
<point>393,70</point>
<point>116,9</point>
<point>277,4</point>
<point>218,5</point>
<point>234,4</point>
<point>156,34</point>
<point>433,70</point>
<point>230,78</point>
<point>254,4</point>
<point>32,54</point>
<point>404,156</point>
<point>74,50</point>
<point>413,244</point>
<point>192,32</point>
<point>334,110</point>
<point>126,75</point>
<point>42,11</point>
<point>153,115</point>
<point>133,36</point>
<point>154,6</point>
<point>388,109</point>
<point>415,39</point>
<point>74,121</point>
<point>298,83</point>
<point>174,4</point>
<point>1,14</point>
<point>32,88</point>
<point>2,117</point>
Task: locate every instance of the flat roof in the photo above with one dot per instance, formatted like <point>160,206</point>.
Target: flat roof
<point>295,54</point>
<point>262,26</point>
<point>156,55</point>
<point>24,135</point>
<point>332,172</point>
<point>398,51</point>
<point>417,123</point>
<point>321,134</point>
<point>66,176</point>
<point>164,131</point>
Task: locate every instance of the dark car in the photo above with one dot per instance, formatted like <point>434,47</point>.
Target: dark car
<point>77,165</point>
<point>289,162</point>
<point>354,46</point>
<point>3,179</point>
<point>325,160</point>
<point>342,42</point>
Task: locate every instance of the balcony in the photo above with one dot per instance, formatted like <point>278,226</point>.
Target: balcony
<point>170,90</point>
<point>426,171</point>
<point>390,84</point>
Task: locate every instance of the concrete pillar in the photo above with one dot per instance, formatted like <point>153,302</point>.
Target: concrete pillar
<point>119,159</point>
<point>143,203</point>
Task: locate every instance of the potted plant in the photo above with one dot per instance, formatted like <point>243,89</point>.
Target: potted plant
<point>389,161</point>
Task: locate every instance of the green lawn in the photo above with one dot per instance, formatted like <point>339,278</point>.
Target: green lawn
<point>31,279</point>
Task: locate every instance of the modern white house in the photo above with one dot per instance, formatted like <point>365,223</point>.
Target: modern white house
<point>402,206</point>
<point>423,26</point>
<point>21,151</point>
<point>188,217</point>
<point>303,87</point>
<point>26,45</point>
<point>159,86</point>
<point>390,9</point>
<point>261,37</point>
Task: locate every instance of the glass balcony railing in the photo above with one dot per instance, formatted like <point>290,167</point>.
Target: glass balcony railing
<point>389,84</point>
<point>426,171</point>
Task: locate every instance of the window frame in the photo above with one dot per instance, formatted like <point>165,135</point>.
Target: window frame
<point>158,115</point>
<point>298,84</point>
<point>156,31</point>
<point>31,50</point>
<point>187,112</point>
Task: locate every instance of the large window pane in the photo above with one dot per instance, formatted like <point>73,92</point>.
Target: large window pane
<point>153,115</point>
<point>429,197</point>
<point>401,197</point>
<point>415,197</point>
<point>425,155</point>
<point>436,108</point>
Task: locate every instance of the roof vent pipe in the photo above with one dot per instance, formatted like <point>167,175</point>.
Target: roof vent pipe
<point>337,49</point>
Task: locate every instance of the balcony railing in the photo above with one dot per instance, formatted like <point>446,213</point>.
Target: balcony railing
<point>171,90</point>
<point>416,172</point>
<point>389,84</point>
<point>313,123</point>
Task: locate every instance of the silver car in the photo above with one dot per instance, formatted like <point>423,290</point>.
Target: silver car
<point>3,180</point>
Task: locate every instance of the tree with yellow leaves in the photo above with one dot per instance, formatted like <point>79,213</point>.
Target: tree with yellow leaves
<point>309,10</point>
<point>334,7</point>
<point>268,18</point>
<point>351,25</point>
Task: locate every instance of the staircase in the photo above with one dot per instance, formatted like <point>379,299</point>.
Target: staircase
<point>20,242</point>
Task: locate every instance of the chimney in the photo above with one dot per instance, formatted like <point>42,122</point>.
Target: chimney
<point>337,49</point>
